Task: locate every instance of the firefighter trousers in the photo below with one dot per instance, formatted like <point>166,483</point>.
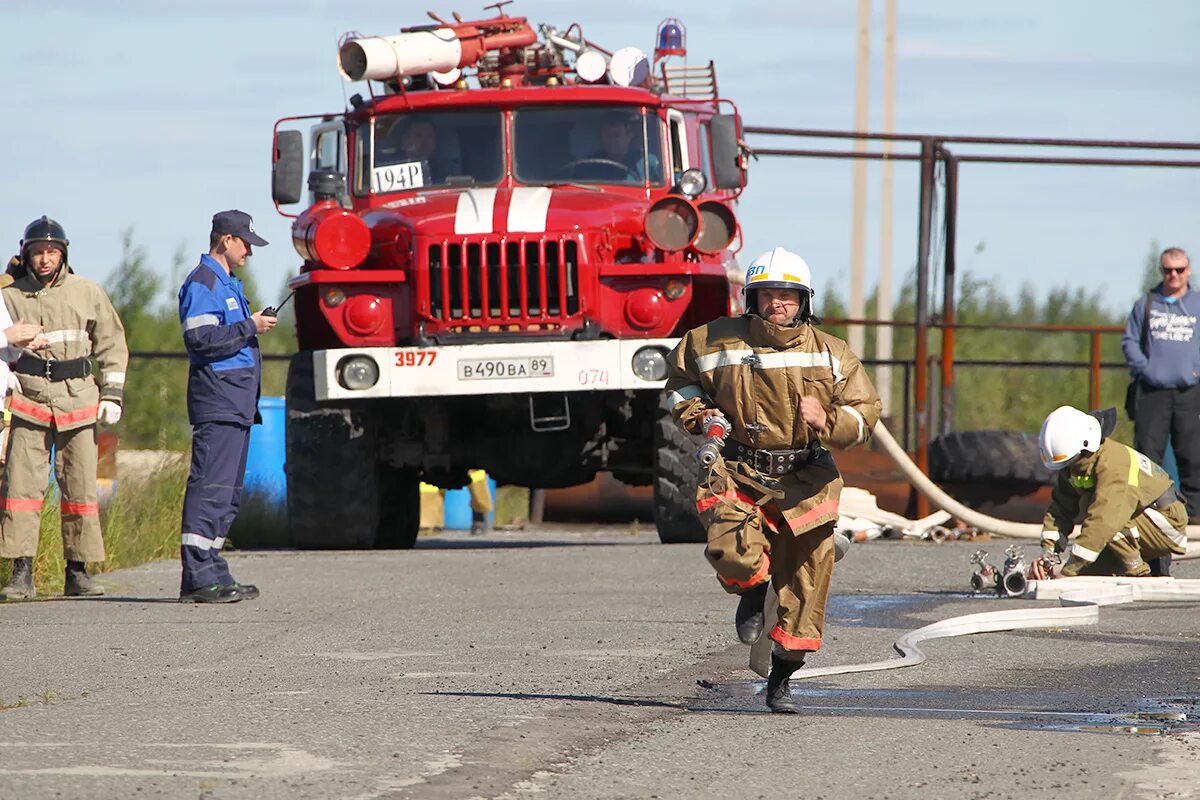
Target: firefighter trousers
<point>25,476</point>
<point>214,492</point>
<point>748,544</point>
<point>1150,535</point>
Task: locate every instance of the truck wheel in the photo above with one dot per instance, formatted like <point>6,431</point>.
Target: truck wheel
<point>332,486</point>
<point>399,508</point>
<point>676,474</point>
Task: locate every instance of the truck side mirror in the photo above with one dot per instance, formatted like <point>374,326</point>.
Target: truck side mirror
<point>726,152</point>
<point>287,170</point>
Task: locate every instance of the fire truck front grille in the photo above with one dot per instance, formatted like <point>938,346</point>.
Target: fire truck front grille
<point>486,282</point>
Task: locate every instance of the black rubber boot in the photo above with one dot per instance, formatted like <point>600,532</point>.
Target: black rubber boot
<point>478,523</point>
<point>1160,567</point>
<point>78,583</point>
<point>749,616</point>
<point>779,691</point>
<point>20,585</point>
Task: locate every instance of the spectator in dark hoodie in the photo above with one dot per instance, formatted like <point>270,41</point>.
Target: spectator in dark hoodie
<point>1163,351</point>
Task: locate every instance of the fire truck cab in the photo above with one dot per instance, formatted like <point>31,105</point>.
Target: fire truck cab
<point>501,242</point>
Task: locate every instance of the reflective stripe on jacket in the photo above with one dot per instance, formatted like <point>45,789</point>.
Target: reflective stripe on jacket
<point>755,372</point>
<point>1126,483</point>
<point>80,322</point>
<point>222,345</point>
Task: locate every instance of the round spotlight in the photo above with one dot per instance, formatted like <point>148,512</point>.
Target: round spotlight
<point>591,66</point>
<point>628,67</point>
<point>672,223</point>
<point>650,364</point>
<point>363,314</point>
<point>644,308</point>
<point>718,226</point>
<point>332,236</point>
<point>357,373</point>
<point>692,183</point>
<point>334,297</point>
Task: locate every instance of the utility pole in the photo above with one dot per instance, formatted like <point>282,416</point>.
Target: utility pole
<point>858,233</point>
<point>883,307</point>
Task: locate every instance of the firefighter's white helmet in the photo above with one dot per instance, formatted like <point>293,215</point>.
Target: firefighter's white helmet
<point>778,269</point>
<point>1066,434</point>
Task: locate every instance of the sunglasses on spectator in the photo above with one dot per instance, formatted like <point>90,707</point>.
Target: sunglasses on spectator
<point>1175,270</point>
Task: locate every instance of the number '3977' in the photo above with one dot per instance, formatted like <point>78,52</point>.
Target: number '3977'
<point>415,358</point>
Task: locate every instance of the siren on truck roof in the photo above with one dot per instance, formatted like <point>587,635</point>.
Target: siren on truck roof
<point>503,51</point>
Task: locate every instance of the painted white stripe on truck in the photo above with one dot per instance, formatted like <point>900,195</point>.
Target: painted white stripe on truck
<point>528,208</point>
<point>474,212</point>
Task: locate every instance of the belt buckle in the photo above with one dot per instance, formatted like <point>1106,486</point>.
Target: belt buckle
<point>49,365</point>
<point>762,462</point>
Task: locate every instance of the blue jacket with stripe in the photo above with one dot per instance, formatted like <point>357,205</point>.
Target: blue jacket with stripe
<point>222,345</point>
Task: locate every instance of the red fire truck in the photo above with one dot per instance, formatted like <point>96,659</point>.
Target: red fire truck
<point>502,240</point>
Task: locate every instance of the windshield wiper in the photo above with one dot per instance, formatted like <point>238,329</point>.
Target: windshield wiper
<point>565,185</point>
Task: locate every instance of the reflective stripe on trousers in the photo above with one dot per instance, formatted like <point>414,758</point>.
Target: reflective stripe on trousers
<point>214,492</point>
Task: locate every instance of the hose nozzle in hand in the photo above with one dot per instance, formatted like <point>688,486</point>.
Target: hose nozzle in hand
<point>716,431</point>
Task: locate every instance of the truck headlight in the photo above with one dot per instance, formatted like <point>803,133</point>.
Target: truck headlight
<point>650,364</point>
<point>692,183</point>
<point>357,372</point>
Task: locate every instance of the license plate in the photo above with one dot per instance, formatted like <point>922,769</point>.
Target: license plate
<point>470,369</point>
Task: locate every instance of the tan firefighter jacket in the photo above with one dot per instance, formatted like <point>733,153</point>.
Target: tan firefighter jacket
<point>755,373</point>
<point>1125,484</point>
<point>80,322</point>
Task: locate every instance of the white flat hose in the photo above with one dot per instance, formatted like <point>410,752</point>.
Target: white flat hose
<point>1003,527</point>
<point>1081,599</point>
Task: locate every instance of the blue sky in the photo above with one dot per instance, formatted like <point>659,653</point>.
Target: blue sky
<point>155,114</point>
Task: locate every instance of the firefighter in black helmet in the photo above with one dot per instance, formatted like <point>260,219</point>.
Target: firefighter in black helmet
<point>59,404</point>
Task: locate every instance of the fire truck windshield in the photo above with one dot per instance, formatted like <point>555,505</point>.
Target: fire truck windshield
<point>433,148</point>
<point>587,144</point>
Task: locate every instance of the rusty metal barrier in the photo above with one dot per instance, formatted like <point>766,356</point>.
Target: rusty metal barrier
<point>930,150</point>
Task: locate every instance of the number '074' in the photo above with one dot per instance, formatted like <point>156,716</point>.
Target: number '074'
<point>415,358</point>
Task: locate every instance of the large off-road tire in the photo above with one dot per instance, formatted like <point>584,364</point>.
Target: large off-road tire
<point>332,481</point>
<point>987,466</point>
<point>399,508</point>
<point>676,473</point>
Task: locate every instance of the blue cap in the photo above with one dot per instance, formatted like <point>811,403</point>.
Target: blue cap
<point>239,224</point>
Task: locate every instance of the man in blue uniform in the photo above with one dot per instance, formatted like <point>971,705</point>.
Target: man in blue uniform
<point>221,337</point>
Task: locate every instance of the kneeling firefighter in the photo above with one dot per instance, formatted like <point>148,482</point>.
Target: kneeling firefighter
<point>787,390</point>
<point>1132,513</point>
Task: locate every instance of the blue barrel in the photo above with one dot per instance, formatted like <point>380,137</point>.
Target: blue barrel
<point>264,463</point>
<point>458,508</point>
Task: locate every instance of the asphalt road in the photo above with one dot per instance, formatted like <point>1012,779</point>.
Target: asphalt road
<point>577,663</point>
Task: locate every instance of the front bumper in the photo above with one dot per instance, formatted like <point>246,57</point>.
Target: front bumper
<point>500,368</point>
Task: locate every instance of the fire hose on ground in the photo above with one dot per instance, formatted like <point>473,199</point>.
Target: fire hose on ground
<point>1080,597</point>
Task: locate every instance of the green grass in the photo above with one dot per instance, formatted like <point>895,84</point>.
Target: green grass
<point>261,522</point>
<point>140,524</point>
<point>512,506</point>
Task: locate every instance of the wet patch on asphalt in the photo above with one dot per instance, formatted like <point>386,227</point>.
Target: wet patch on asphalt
<point>879,610</point>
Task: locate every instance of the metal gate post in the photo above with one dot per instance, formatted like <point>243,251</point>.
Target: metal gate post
<point>921,323</point>
<point>948,290</point>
